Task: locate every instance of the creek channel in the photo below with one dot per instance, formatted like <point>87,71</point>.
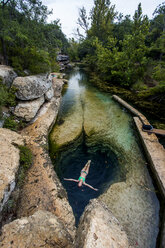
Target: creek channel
<point>91,125</point>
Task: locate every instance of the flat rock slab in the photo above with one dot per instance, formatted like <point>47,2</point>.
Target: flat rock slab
<point>9,162</point>
<point>155,153</point>
<point>7,74</point>
<point>98,228</point>
<point>42,229</point>
<point>31,87</point>
<point>69,130</point>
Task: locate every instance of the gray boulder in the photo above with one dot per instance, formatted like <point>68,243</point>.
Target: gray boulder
<point>49,94</point>
<point>7,75</point>
<point>31,87</point>
<point>98,228</point>
<point>42,229</point>
<point>9,162</point>
<point>28,109</point>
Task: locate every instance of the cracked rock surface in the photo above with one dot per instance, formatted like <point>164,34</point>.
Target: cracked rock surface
<point>42,229</point>
<point>98,228</point>
<point>9,162</point>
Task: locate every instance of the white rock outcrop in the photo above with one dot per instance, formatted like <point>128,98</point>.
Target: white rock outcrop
<point>31,87</point>
<point>98,228</point>
<point>42,229</point>
<point>28,109</point>
<point>9,163</point>
<point>7,75</point>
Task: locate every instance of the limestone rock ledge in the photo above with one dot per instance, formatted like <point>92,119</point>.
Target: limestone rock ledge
<point>42,229</point>
<point>9,163</point>
<point>42,189</point>
<point>98,228</point>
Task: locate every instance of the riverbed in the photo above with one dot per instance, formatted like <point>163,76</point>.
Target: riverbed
<point>91,125</point>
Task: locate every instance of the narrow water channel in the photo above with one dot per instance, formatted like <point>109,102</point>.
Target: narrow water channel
<point>91,125</point>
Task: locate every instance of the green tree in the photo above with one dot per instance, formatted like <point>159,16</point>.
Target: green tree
<point>73,50</point>
<point>160,16</point>
<point>83,23</point>
<point>26,40</point>
<point>102,17</point>
<point>122,27</point>
<point>134,48</point>
<point>122,63</point>
<point>109,62</point>
<point>158,33</point>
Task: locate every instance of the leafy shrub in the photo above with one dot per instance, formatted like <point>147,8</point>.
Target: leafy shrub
<point>139,85</point>
<point>7,96</point>
<point>3,95</point>
<point>54,66</point>
<point>11,124</point>
<point>38,60</point>
<point>159,72</point>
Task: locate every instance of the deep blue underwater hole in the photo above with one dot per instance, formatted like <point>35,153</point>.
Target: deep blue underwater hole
<point>104,171</point>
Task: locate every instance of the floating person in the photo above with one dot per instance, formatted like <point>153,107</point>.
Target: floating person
<point>83,174</point>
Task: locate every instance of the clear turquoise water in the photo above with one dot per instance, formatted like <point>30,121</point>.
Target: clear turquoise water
<point>104,171</point>
<point>118,167</point>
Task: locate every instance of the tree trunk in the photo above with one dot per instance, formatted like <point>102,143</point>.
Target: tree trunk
<point>161,55</point>
<point>4,53</point>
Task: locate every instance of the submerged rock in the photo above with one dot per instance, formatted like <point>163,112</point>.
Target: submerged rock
<point>31,87</point>
<point>65,133</point>
<point>7,75</point>
<point>9,163</point>
<point>132,203</point>
<point>28,109</point>
<point>98,228</point>
<point>42,229</point>
<point>70,128</point>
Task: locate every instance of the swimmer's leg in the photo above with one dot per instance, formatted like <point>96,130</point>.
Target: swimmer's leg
<point>86,167</point>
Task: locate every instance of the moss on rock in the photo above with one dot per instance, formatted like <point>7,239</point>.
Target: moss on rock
<point>26,159</point>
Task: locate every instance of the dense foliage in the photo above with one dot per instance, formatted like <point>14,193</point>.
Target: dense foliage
<point>124,55</point>
<point>27,41</point>
<point>121,51</point>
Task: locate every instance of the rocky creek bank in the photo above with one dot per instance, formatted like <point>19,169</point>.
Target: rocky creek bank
<point>43,216</point>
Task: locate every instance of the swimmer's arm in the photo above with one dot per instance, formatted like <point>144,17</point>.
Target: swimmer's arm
<point>70,179</point>
<point>88,185</point>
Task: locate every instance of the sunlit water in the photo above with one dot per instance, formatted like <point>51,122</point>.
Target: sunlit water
<point>104,134</point>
